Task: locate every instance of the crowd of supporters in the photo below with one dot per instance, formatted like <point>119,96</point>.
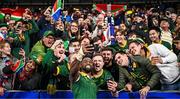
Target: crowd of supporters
<point>136,49</point>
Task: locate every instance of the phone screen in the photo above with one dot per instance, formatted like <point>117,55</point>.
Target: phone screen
<point>71,50</point>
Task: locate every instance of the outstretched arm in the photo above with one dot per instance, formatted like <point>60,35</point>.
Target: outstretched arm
<point>74,71</point>
<point>75,66</point>
<point>112,86</point>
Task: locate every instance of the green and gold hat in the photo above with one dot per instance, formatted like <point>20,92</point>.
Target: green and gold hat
<point>3,25</point>
<point>47,33</point>
<point>137,40</point>
<point>37,58</point>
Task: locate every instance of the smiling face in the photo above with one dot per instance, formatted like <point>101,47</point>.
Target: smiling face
<point>138,19</point>
<point>11,23</point>
<point>74,27</point>
<point>76,46</point>
<point>123,26</point>
<point>80,21</point>
<point>3,30</point>
<point>48,41</point>
<point>120,37</point>
<point>85,42</point>
<point>59,50</point>
<point>5,48</point>
<point>100,18</point>
<point>121,59</point>
<point>135,48</point>
<point>164,25</point>
<point>98,63</point>
<point>30,66</point>
<point>153,35</point>
<point>86,65</point>
<point>107,56</point>
<point>7,17</point>
<point>60,25</point>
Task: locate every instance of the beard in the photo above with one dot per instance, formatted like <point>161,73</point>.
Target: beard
<point>86,68</point>
<point>107,61</point>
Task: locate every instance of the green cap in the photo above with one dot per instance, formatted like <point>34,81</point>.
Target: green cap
<point>138,40</point>
<point>47,33</point>
<point>3,25</point>
<point>37,58</point>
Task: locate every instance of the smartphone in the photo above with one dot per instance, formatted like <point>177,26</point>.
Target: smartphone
<point>71,50</point>
<point>90,47</point>
<point>109,79</point>
<point>96,47</point>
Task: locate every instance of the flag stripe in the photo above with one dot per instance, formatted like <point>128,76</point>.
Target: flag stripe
<point>115,9</point>
<point>102,6</point>
<point>56,11</point>
<point>112,7</point>
<point>59,5</point>
<point>16,14</point>
<point>54,7</point>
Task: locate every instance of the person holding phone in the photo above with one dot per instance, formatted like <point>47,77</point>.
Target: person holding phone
<point>166,61</point>
<point>87,73</point>
<point>80,76</point>
<point>107,54</point>
<point>100,75</point>
<point>74,46</point>
<point>136,73</point>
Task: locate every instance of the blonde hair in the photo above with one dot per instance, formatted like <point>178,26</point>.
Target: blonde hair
<point>2,45</point>
<point>78,32</point>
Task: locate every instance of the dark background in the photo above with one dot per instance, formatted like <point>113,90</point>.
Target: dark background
<point>88,3</point>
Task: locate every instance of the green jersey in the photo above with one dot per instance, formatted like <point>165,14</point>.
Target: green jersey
<point>166,44</point>
<point>117,48</point>
<point>64,69</point>
<point>84,88</point>
<point>102,80</point>
<point>23,43</point>
<point>63,76</point>
<point>48,63</point>
<point>139,73</point>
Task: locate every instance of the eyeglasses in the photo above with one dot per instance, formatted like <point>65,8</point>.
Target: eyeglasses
<point>74,25</point>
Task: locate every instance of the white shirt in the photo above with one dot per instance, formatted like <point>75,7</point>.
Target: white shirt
<point>169,68</point>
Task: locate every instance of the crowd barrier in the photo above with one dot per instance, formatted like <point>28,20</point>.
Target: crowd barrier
<point>101,95</point>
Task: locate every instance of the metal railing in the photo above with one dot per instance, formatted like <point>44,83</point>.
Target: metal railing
<point>41,94</point>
